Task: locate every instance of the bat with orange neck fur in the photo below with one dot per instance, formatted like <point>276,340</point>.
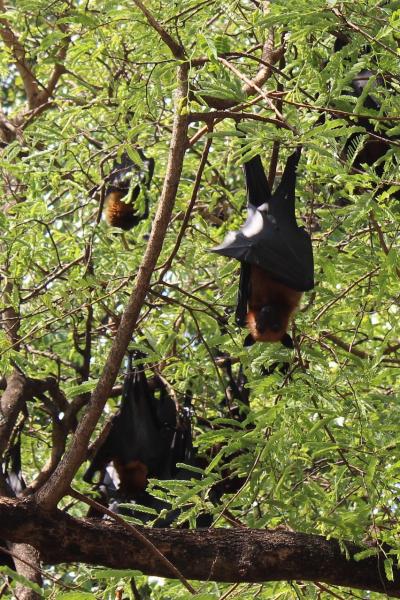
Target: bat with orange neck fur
<point>275,254</point>
<point>121,194</point>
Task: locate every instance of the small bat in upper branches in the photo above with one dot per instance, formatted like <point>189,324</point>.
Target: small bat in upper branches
<point>365,149</point>
<point>275,254</point>
<point>121,211</point>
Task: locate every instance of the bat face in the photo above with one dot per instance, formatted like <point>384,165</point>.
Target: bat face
<point>269,318</point>
<point>263,332</point>
<point>270,307</point>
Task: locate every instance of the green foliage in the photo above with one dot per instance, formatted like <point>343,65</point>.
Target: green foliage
<point>317,452</point>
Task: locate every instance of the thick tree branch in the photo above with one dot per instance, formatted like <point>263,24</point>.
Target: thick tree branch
<point>226,555</point>
<point>138,534</point>
<point>10,318</point>
<point>59,483</point>
<point>27,563</point>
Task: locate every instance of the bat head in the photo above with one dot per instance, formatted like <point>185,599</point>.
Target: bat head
<point>269,318</point>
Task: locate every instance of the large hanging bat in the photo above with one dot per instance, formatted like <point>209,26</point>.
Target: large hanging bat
<point>147,438</point>
<point>275,254</point>
<point>123,213</point>
<point>141,436</point>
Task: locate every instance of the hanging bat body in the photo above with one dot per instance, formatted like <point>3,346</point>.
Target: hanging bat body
<point>372,149</point>
<point>121,194</point>
<point>275,254</point>
<point>140,438</point>
<point>270,306</point>
<point>147,438</point>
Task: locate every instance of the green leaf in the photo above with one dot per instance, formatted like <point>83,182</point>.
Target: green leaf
<point>22,580</point>
<point>388,566</point>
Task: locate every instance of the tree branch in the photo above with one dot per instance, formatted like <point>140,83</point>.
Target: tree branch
<point>11,403</point>
<point>225,555</point>
<point>186,218</point>
<point>211,117</point>
<point>60,481</point>
<point>18,53</point>
<point>176,49</point>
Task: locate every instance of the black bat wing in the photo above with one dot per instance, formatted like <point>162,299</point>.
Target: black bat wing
<point>149,163</point>
<point>258,191</point>
<point>284,253</point>
<point>138,428</point>
<point>271,239</point>
<point>13,471</point>
<point>243,294</point>
<point>282,203</point>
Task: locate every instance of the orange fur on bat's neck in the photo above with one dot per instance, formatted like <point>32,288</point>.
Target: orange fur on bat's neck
<point>132,476</point>
<point>265,291</point>
<point>118,212</point>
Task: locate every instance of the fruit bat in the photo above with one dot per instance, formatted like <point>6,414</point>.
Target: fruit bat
<point>147,438</point>
<point>371,149</point>
<point>275,254</point>
<point>123,213</point>
<point>141,435</point>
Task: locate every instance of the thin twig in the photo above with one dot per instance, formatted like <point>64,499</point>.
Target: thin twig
<point>176,49</point>
<point>369,37</point>
<point>211,117</point>
<point>252,84</point>
<point>381,237</point>
<point>344,293</point>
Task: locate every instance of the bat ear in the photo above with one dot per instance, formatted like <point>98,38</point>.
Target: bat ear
<point>287,341</point>
<point>248,341</point>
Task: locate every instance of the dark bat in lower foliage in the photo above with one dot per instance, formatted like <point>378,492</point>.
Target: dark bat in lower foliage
<point>141,435</point>
<point>120,208</point>
<point>147,438</point>
<point>275,254</point>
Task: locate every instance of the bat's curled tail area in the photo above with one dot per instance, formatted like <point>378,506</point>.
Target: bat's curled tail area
<point>275,254</point>
<point>125,183</point>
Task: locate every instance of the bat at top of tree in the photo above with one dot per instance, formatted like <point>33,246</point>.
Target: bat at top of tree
<point>275,253</point>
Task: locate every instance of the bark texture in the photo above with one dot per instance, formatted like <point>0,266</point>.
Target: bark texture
<point>225,555</point>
